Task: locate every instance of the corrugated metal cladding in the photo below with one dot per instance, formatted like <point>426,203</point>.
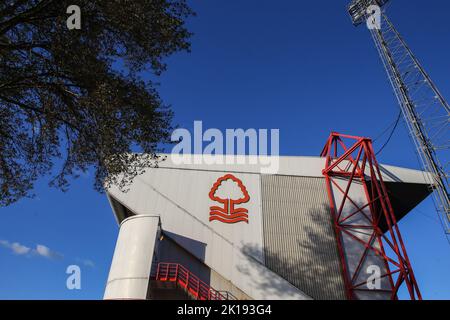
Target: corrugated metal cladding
<point>299,241</point>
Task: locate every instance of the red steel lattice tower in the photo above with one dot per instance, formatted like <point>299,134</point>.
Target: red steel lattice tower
<point>364,220</point>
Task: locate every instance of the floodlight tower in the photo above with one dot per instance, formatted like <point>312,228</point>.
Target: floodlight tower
<point>424,109</point>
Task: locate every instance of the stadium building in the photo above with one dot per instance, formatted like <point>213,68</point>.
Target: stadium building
<point>196,231</point>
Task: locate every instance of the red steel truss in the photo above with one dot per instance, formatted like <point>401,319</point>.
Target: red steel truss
<point>173,272</point>
<point>355,165</point>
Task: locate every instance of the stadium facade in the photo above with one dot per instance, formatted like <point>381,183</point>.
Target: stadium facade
<point>197,231</point>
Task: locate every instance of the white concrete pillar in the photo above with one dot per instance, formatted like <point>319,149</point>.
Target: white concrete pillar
<point>130,268</point>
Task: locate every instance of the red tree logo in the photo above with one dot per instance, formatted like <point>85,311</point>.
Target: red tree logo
<point>229,191</point>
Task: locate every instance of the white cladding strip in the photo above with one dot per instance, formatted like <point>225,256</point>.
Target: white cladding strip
<point>299,240</point>
<point>288,166</point>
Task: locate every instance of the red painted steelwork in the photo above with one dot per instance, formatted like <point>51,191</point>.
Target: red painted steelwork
<point>356,165</point>
<point>173,272</point>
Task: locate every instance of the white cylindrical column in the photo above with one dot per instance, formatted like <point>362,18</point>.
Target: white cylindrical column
<point>129,275</point>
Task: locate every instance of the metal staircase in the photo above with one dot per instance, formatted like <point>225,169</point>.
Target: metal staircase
<point>195,288</point>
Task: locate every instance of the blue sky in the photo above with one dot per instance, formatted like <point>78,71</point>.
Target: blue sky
<point>294,65</point>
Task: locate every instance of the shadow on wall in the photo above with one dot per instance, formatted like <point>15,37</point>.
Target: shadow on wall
<point>196,248</point>
<point>171,249</point>
<point>300,246</point>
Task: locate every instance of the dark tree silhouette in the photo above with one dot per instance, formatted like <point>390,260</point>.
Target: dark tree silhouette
<point>62,95</point>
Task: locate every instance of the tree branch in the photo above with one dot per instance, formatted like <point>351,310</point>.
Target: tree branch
<point>39,111</point>
<point>24,16</point>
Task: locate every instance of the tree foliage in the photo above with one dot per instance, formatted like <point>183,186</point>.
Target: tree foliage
<point>62,95</point>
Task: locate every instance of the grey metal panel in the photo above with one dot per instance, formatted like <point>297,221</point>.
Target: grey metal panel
<point>299,241</point>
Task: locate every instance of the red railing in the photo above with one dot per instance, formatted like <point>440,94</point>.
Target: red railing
<point>173,272</point>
